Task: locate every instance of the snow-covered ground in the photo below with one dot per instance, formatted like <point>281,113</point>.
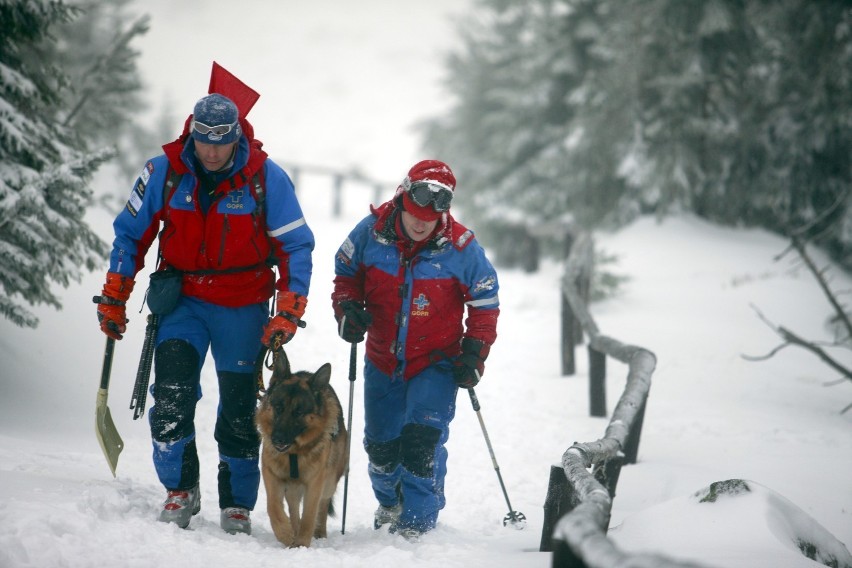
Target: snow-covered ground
<point>347,93</point>
<point>711,416</point>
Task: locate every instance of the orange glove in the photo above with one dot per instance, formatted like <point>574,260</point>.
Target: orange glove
<point>290,307</point>
<point>111,305</point>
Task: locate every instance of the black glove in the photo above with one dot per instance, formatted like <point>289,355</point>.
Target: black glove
<point>353,321</point>
<point>469,366</point>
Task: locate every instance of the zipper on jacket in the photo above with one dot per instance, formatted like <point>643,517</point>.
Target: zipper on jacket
<point>226,228</point>
<point>402,319</point>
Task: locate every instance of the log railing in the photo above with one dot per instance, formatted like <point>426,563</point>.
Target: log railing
<point>579,502</point>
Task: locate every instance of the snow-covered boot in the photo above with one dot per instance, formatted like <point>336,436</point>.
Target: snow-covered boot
<point>411,534</point>
<point>180,506</point>
<point>385,515</point>
<point>235,520</point>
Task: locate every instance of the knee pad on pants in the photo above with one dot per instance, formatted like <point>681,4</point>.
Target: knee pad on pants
<point>383,456</point>
<point>175,390</point>
<point>417,449</point>
<point>236,432</point>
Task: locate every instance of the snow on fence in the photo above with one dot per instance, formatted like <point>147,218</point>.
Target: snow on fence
<point>579,502</point>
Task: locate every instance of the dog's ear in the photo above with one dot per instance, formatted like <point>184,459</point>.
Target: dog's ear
<point>322,377</point>
<point>280,365</point>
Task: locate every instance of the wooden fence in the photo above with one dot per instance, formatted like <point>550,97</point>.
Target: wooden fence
<point>578,505</point>
<point>338,178</point>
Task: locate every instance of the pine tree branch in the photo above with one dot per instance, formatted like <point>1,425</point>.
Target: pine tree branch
<point>794,339</point>
<point>820,277</point>
<point>791,338</point>
<point>805,229</point>
<point>119,44</point>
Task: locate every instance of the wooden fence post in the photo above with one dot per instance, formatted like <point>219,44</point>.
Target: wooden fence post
<point>569,322</point>
<point>557,503</point>
<point>337,196</point>
<point>530,251</point>
<point>584,285</point>
<point>568,343</point>
<point>563,557</point>
<point>631,449</point>
<point>597,383</point>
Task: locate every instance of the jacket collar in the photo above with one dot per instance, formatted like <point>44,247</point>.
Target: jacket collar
<point>388,229</point>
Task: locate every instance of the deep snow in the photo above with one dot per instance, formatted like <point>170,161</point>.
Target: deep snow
<point>711,416</point>
<point>345,92</point>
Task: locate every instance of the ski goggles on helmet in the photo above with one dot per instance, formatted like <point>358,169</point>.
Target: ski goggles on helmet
<point>425,193</point>
<point>218,130</point>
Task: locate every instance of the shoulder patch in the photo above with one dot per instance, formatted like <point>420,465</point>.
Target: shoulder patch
<point>464,239</point>
<point>486,284</point>
<point>347,249</point>
<point>146,173</point>
<point>134,203</point>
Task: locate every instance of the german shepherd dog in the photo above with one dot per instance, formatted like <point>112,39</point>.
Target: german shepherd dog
<point>305,448</point>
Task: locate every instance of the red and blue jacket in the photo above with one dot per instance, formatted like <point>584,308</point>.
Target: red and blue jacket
<point>227,252</point>
<point>417,293</point>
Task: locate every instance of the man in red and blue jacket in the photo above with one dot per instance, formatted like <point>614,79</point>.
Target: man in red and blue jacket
<point>231,217</point>
<point>420,286</point>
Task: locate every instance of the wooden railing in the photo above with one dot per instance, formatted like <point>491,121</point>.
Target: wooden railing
<point>578,505</point>
<point>382,190</point>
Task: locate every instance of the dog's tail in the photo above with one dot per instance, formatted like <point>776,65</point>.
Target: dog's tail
<point>331,512</point>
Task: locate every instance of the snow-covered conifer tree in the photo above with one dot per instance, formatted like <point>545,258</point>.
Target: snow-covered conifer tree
<point>44,171</point>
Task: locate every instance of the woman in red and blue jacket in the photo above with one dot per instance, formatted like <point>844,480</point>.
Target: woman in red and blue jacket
<point>420,286</point>
<point>226,216</point>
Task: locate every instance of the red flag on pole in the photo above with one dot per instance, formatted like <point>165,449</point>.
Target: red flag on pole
<point>226,83</point>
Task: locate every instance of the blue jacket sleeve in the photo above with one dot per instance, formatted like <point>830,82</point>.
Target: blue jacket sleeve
<point>292,239</point>
<point>137,224</point>
<point>349,263</point>
<point>481,296</point>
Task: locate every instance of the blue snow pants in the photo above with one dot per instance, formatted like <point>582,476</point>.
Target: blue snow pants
<point>233,337</point>
<point>406,427</point>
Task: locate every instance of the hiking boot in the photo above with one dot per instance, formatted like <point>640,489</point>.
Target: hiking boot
<point>235,520</point>
<point>180,506</point>
<point>410,534</point>
<point>385,515</point>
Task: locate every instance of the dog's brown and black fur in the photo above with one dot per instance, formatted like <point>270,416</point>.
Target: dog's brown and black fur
<point>304,450</point>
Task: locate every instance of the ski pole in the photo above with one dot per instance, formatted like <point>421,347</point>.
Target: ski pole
<point>517,518</point>
<point>353,357</point>
<point>143,373</point>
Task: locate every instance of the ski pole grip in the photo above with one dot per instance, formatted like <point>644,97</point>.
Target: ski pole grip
<point>353,361</point>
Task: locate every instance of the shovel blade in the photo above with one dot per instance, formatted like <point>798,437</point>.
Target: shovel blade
<point>108,436</point>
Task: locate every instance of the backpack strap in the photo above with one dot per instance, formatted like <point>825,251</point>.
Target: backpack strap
<point>257,182</point>
<point>172,180</point>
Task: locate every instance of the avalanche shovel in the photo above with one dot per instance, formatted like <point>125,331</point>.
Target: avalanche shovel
<point>110,440</point>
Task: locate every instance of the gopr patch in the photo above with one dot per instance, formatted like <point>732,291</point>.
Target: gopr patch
<point>421,305</point>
